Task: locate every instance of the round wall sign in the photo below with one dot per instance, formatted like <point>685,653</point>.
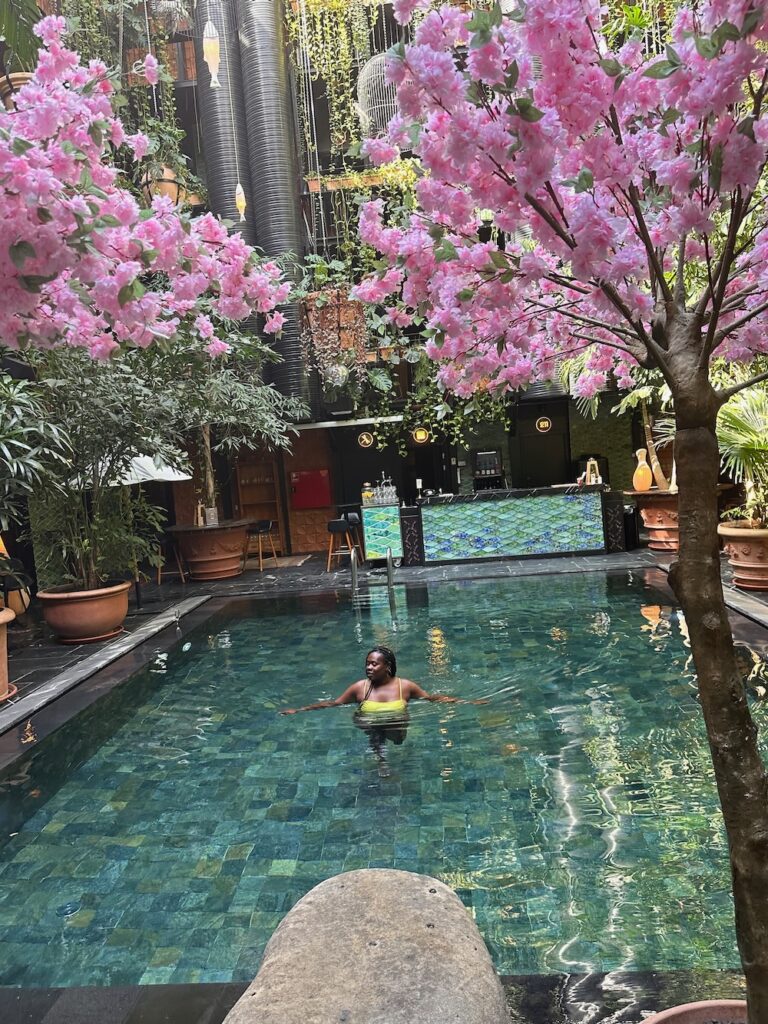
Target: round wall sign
<point>365,439</point>
<point>420,435</point>
<point>543,424</point>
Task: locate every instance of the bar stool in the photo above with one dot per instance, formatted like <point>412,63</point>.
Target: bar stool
<point>356,530</point>
<point>260,529</point>
<point>167,546</point>
<point>338,530</point>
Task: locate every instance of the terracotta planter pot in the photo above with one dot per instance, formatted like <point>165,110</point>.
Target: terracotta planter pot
<point>86,616</point>
<point>747,549</point>
<point>710,1011</point>
<point>213,552</point>
<point>10,84</point>
<point>6,690</point>
<point>167,184</point>
<point>658,510</point>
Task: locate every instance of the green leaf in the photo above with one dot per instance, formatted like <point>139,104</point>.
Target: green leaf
<point>20,252</point>
<point>751,21</point>
<point>125,295</point>
<point>396,52</point>
<point>108,220</point>
<point>465,294</point>
<point>663,69</point>
<point>34,282</point>
<point>725,32</point>
<point>705,47</point>
<point>672,55</point>
<point>746,127</point>
<point>716,167</point>
<point>500,259</point>
<point>21,146</point>
<point>611,67</point>
<point>43,215</point>
<point>585,181</point>
<point>445,251</point>
<point>527,110</point>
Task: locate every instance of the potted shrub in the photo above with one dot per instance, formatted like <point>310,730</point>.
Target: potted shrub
<point>742,435</point>
<point>220,405</point>
<point>89,532</point>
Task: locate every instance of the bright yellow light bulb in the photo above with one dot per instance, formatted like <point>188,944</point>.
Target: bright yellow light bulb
<point>212,52</point>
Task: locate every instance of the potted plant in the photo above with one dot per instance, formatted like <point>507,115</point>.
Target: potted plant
<point>89,531</point>
<point>221,405</point>
<point>28,444</point>
<point>742,435</point>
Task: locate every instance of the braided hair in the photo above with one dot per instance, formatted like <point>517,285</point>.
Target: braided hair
<point>389,658</point>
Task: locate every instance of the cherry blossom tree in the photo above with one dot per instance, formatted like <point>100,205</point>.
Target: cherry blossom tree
<point>83,263</point>
<point>627,194</point>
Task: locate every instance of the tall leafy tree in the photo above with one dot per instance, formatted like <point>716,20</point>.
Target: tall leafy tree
<point>630,191</point>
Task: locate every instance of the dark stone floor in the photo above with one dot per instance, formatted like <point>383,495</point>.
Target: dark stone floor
<point>618,998</point>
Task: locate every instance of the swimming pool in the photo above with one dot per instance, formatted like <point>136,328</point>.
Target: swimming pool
<point>574,814</point>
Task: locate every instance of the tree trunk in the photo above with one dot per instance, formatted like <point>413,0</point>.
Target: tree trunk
<point>739,770</point>
<point>209,482</point>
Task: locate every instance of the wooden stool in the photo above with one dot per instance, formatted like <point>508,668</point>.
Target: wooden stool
<point>164,546</point>
<point>338,530</point>
<point>263,528</point>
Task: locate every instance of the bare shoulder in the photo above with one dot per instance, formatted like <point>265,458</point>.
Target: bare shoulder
<point>408,684</point>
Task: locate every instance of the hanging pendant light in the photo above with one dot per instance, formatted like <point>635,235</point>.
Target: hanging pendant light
<point>240,201</point>
<point>212,52</point>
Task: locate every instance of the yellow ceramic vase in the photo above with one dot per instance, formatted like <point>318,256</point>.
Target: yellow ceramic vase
<point>642,479</point>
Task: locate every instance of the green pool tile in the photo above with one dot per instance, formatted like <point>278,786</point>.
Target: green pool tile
<point>559,811</point>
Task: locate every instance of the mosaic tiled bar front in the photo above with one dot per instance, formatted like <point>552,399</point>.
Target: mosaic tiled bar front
<point>381,529</point>
<point>499,527</point>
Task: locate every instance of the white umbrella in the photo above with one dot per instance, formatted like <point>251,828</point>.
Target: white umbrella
<point>144,468</point>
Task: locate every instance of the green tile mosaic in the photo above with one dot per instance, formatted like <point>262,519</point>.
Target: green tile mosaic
<point>381,530</point>
<point>546,524</point>
<point>575,813</point>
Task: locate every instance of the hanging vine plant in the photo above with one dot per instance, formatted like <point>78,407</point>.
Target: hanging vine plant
<point>331,39</point>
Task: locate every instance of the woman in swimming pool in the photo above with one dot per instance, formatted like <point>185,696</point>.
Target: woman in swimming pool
<point>382,699</point>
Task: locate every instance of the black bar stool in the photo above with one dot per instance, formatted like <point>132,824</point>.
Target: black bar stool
<point>338,530</point>
<point>356,531</point>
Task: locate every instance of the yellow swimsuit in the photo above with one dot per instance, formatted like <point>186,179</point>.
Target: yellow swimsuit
<point>390,706</point>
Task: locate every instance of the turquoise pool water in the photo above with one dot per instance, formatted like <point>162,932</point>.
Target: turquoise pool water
<point>575,813</point>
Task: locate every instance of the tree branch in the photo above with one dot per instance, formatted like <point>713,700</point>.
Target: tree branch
<point>720,281</point>
<point>679,280</point>
<point>650,248</point>
<point>750,315</point>
<point>725,393</point>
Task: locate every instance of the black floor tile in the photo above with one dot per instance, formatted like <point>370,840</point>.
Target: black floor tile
<point>92,1006</point>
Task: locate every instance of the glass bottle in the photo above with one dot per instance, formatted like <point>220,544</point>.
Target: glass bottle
<point>642,478</point>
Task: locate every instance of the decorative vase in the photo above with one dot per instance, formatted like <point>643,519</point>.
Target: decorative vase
<point>709,1011</point>
<point>642,479</point>
<point>6,690</point>
<point>86,616</point>
<point>747,548</point>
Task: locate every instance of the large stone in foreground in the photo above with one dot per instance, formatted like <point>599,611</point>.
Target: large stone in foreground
<point>375,947</point>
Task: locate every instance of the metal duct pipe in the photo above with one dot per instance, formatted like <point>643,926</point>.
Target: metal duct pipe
<point>222,113</point>
<point>269,118</point>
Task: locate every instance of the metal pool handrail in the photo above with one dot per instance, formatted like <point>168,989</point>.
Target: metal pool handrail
<point>391,583</point>
<point>353,567</point>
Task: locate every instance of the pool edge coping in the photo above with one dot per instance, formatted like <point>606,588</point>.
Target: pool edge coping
<point>23,708</point>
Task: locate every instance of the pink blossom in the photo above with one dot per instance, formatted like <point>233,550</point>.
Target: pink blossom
<point>379,151</point>
<point>217,347</point>
<point>151,69</point>
<point>274,323</point>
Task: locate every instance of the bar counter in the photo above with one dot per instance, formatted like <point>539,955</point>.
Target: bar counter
<point>530,522</point>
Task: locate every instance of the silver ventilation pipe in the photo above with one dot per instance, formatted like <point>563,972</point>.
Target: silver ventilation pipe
<point>222,113</point>
<point>269,118</point>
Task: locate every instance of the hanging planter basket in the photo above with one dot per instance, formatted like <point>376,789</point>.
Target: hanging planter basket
<point>335,327</point>
<point>164,182</point>
<point>10,85</point>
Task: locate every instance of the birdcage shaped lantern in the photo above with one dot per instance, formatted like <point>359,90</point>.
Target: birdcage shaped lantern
<point>376,97</point>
